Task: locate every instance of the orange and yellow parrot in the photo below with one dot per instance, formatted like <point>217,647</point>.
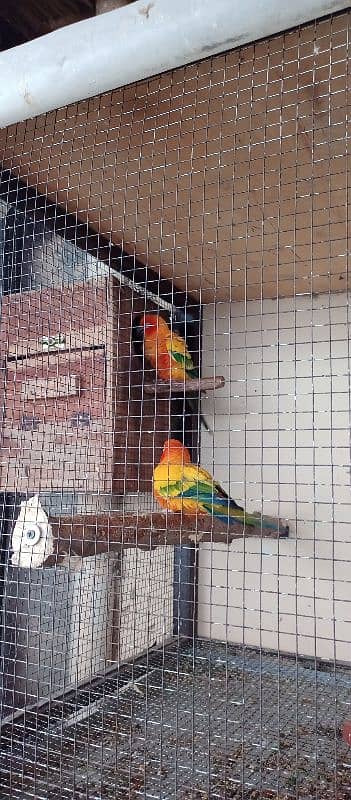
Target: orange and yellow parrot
<point>166,351</point>
<point>180,485</point>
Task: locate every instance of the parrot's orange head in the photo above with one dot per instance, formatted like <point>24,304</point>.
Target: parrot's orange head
<point>153,323</point>
<point>175,452</point>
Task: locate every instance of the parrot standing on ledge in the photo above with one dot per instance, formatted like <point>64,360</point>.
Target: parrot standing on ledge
<point>167,353</point>
<point>180,485</point>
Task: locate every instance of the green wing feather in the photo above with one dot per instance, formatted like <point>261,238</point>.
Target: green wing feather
<point>181,355</point>
<point>170,489</point>
<point>196,484</point>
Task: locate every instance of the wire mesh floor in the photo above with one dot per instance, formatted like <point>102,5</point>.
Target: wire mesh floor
<point>210,721</point>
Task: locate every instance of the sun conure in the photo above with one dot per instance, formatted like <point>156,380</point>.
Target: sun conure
<point>180,485</point>
<point>166,351</point>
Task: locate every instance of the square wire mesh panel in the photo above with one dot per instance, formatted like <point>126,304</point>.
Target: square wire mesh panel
<point>159,640</point>
<point>210,721</point>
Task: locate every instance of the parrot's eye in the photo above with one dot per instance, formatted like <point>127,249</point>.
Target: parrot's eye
<point>33,534</point>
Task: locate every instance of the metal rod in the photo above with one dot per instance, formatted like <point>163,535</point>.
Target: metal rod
<point>132,43</point>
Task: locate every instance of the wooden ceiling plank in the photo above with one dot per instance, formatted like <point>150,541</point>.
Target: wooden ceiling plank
<point>254,212</point>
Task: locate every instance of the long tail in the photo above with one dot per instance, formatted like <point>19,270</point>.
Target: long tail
<point>191,405</point>
<point>226,509</point>
<point>228,513</point>
<point>260,522</point>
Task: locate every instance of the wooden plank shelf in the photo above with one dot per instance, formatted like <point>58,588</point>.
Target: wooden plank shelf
<point>192,385</point>
<point>88,535</point>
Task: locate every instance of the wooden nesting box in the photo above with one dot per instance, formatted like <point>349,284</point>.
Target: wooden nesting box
<point>73,416</point>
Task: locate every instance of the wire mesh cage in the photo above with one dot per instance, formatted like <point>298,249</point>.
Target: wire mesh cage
<point>174,334</point>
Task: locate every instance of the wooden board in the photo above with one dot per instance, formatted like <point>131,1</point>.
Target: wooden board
<point>75,416</point>
<point>42,388</point>
<point>45,387</point>
<point>72,340</point>
<point>229,175</point>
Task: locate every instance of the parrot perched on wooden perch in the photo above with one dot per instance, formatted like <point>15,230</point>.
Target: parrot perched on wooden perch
<point>167,353</point>
<point>180,485</point>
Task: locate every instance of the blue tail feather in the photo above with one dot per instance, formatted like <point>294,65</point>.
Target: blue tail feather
<point>244,519</point>
<point>226,510</point>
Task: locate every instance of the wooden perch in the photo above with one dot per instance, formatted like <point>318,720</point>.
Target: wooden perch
<point>87,535</point>
<point>191,385</point>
